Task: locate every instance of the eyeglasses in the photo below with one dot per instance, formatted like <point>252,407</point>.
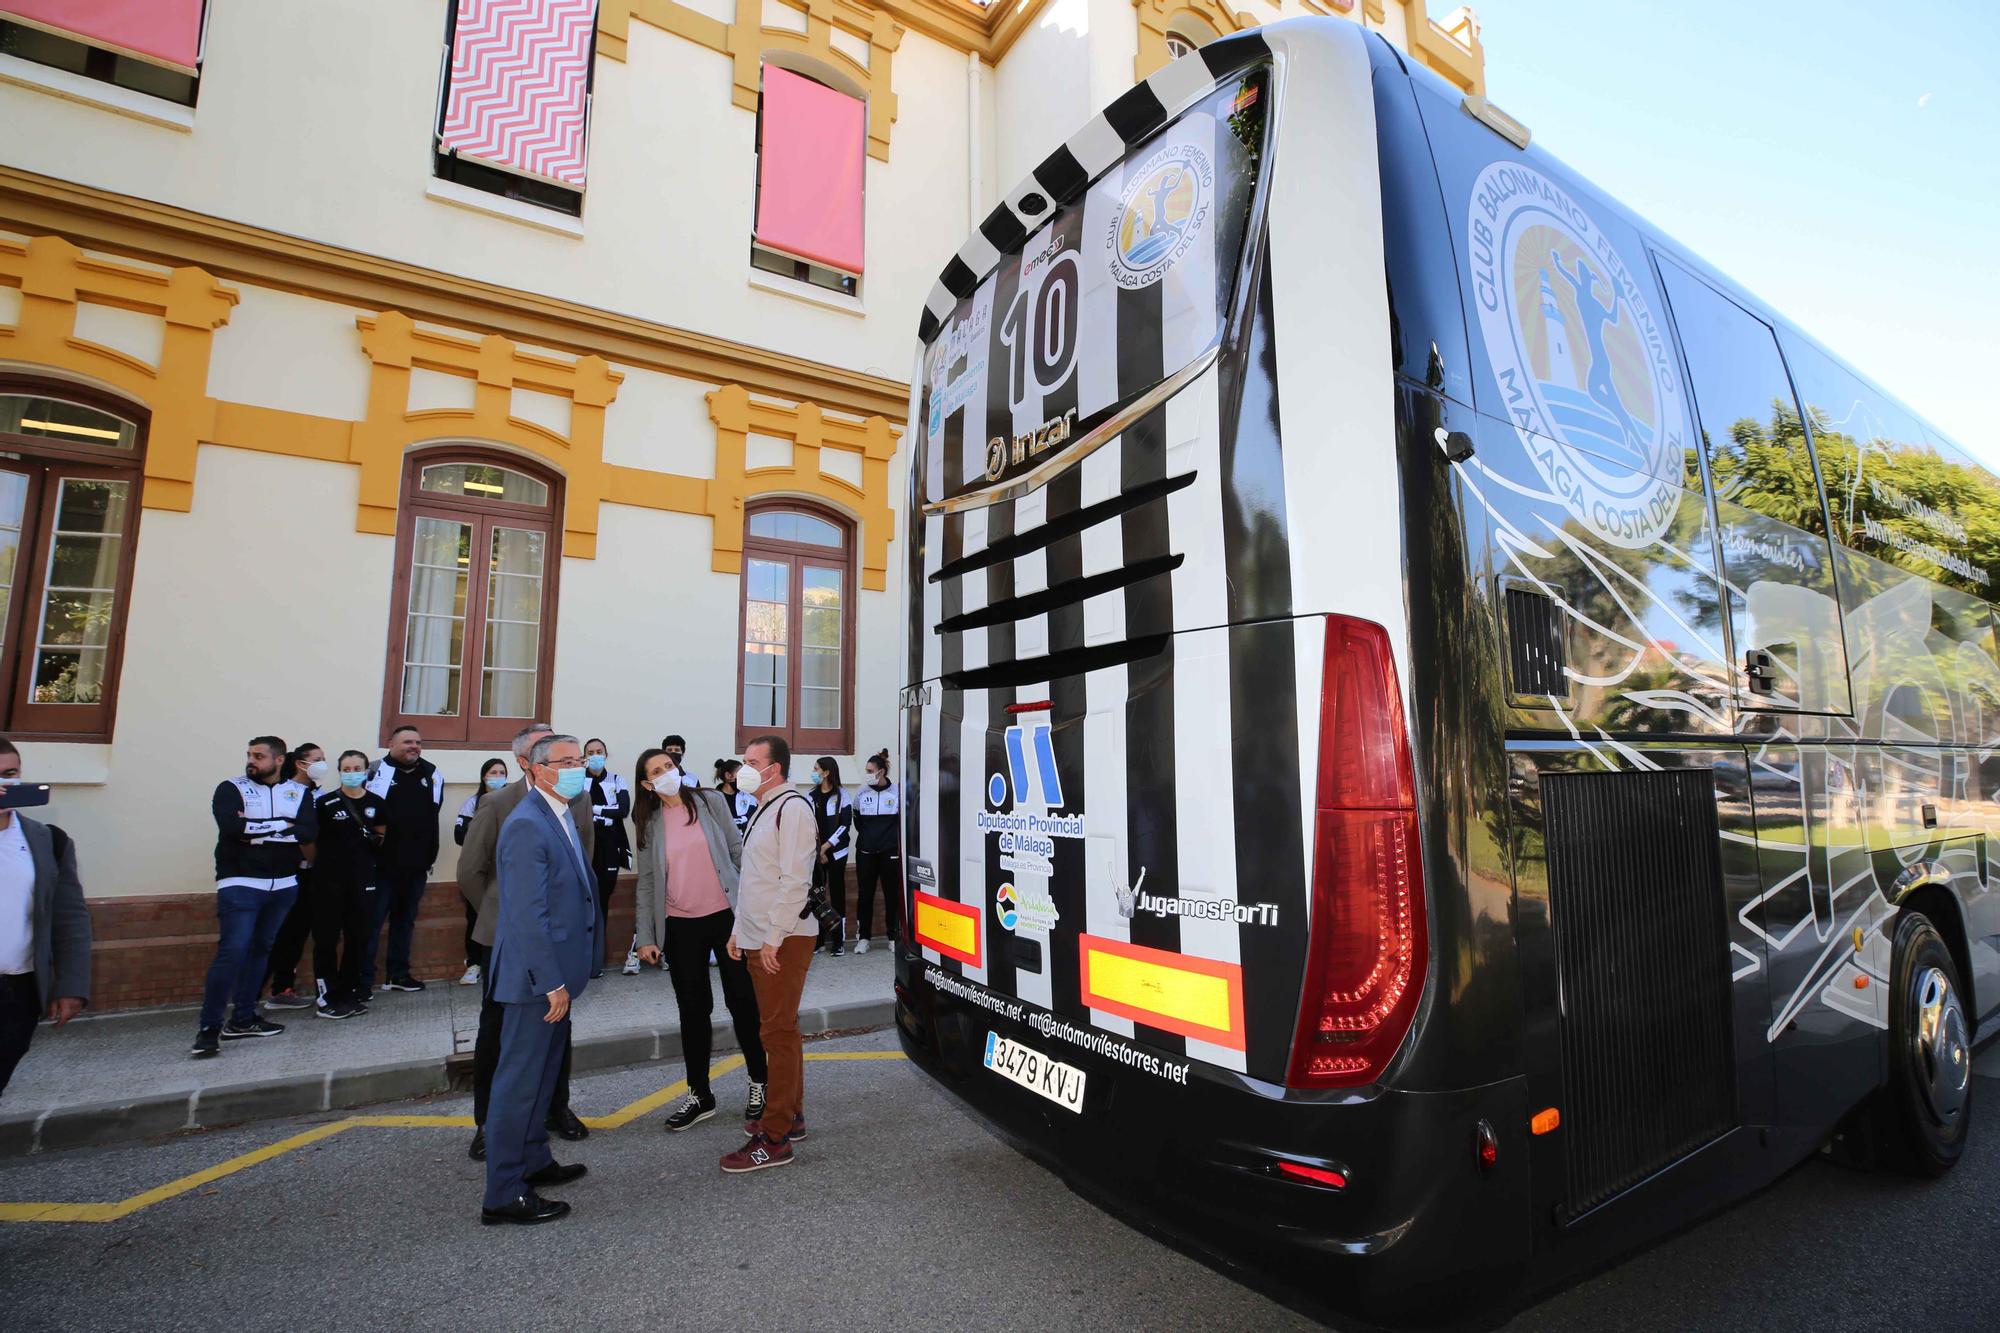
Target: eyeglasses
<point>562,763</point>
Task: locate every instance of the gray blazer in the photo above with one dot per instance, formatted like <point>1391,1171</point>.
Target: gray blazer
<point>60,920</point>
<point>725,847</point>
<point>478,859</point>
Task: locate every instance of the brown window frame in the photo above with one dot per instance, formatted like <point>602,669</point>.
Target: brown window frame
<point>821,740</point>
<point>469,729</point>
<point>47,463</point>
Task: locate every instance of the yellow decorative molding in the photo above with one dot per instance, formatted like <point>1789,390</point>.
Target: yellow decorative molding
<point>1450,48</point>
<point>747,41</point>
<point>55,277</point>
<point>1199,20</point>
<point>737,416</point>
<point>162,233</point>
<point>395,345</point>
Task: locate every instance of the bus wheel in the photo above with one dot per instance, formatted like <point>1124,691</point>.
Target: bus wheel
<point>1926,1109</point>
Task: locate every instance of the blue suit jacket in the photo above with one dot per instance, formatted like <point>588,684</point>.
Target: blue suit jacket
<point>547,934</point>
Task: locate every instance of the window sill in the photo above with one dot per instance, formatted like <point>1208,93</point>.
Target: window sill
<point>479,201</point>
<point>66,763</point>
<point>805,291</point>
<point>95,92</point>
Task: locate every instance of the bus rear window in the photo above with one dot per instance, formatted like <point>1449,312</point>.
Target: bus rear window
<point>1115,293</point>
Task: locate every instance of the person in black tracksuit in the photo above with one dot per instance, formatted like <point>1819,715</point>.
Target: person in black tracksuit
<point>835,818</point>
<point>345,884</point>
<point>492,778</point>
<point>309,769</point>
<point>412,792</point>
<point>610,806</point>
<point>878,860</point>
<point>742,804</point>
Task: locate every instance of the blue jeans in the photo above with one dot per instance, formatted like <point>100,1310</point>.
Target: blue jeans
<point>250,919</point>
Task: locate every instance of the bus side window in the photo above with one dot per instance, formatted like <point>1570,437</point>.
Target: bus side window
<point>1758,456</point>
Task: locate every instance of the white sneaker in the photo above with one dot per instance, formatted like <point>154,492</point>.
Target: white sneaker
<point>632,963</point>
<point>471,977</point>
<point>861,946</point>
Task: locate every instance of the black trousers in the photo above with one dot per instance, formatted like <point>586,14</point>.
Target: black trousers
<point>471,945</point>
<point>20,1010</point>
<point>607,880</point>
<point>688,942</point>
<point>833,874</point>
<point>486,1050</point>
<point>883,869</point>
<point>342,913</point>
<point>290,945</point>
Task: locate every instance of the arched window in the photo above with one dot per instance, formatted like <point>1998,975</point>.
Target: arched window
<point>478,542</point>
<point>1179,44</point>
<point>798,627</point>
<point>70,469</point>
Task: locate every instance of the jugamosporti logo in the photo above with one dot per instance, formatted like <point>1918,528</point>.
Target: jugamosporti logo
<point>1163,211</point>
<point>1582,364</point>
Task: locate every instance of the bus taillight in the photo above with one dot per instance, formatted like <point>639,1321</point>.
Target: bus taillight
<point>1367,953</point>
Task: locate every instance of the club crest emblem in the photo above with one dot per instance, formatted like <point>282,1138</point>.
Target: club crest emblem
<point>1581,361</point>
<point>1165,209</point>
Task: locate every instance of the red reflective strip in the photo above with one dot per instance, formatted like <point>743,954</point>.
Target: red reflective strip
<point>1040,706</point>
<point>1315,1174</point>
<point>923,903</point>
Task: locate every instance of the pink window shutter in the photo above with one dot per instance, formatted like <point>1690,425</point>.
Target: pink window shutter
<point>520,71</point>
<point>164,32</point>
<point>810,174</point>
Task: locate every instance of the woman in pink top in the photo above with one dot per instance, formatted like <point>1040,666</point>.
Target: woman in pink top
<point>688,856</point>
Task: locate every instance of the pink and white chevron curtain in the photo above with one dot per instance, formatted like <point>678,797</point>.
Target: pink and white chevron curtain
<point>519,73</point>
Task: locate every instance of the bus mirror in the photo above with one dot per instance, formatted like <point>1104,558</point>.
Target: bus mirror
<point>1456,444</point>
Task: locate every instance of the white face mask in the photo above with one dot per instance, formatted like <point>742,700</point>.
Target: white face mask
<point>748,778</point>
<point>668,783</point>
<point>318,769</point>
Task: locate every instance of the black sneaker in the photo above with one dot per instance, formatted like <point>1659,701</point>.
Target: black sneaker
<point>404,983</point>
<point>753,1110</point>
<point>288,999</point>
<point>337,1010</point>
<point>207,1042</point>
<point>694,1109</point>
<point>254,1026</point>
<point>839,949</point>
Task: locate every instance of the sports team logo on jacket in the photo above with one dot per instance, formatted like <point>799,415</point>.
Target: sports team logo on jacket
<point>1582,364</point>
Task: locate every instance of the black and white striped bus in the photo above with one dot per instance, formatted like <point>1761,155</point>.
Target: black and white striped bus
<point>1444,739</point>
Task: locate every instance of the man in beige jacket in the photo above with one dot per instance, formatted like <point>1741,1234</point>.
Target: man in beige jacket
<point>772,924</point>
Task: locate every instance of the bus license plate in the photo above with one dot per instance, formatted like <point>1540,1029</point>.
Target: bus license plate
<point>1060,1083</point>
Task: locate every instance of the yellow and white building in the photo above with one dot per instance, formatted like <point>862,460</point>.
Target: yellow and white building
<point>314,424</point>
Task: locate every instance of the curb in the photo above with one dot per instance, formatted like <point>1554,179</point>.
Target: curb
<point>98,1123</point>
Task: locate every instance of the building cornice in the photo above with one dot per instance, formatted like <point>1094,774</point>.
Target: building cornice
<point>162,233</point>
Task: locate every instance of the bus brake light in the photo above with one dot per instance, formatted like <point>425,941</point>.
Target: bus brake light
<point>1368,949</point>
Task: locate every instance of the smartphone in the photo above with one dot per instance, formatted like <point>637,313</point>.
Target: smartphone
<point>21,795</point>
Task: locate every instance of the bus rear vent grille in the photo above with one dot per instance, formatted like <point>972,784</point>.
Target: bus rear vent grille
<point>1642,954</point>
<point>1535,643</point>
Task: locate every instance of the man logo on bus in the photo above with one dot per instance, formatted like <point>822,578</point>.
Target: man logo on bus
<point>1582,365</point>
<point>1164,210</point>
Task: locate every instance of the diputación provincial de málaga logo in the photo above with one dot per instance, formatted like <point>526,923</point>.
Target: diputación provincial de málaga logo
<point>1583,366</point>
<point>1164,210</point>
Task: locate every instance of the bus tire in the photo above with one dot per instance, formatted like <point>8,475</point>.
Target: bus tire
<point>1925,1110</point>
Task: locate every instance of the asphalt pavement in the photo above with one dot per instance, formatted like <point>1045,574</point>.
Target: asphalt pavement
<point>901,1211</point>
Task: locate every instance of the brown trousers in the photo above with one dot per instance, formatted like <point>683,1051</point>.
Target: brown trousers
<point>778,1007</point>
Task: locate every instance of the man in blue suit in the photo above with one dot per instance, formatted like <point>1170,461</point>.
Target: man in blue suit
<point>542,950</point>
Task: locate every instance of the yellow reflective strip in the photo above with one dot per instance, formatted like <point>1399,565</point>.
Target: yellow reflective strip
<point>1191,997</point>
<point>412,1121</point>
<point>955,930</point>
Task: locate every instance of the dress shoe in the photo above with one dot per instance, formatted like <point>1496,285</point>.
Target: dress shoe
<point>555,1173</point>
<point>564,1124</point>
<point>477,1152</point>
<point>526,1209</point>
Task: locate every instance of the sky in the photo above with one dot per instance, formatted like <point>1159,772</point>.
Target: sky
<point>1839,159</point>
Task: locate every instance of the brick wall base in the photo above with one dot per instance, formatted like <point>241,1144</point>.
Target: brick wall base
<point>156,950</point>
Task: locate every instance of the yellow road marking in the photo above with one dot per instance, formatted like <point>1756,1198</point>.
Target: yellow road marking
<point>111,1212</point>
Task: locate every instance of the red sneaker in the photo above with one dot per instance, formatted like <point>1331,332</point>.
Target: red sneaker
<point>752,1128</point>
<point>757,1154</point>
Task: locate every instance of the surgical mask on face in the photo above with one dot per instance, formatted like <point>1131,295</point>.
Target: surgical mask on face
<point>351,780</point>
<point>878,780</point>
<point>570,783</point>
<point>495,784</point>
<point>594,762</point>
<point>668,783</point>
<point>318,769</point>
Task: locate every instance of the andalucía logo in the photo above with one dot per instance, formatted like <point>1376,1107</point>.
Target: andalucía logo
<point>1165,210</point>
<point>1582,364</point>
